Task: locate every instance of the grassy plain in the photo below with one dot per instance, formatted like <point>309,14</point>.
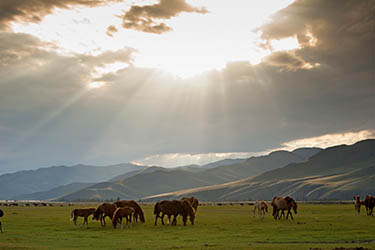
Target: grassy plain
<point>217,227</point>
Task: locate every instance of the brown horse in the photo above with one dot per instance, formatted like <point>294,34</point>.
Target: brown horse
<point>104,210</point>
<point>174,208</point>
<point>138,210</point>
<point>194,203</point>
<point>81,212</point>
<point>369,203</point>
<point>282,204</point>
<point>357,204</point>
<point>123,212</point>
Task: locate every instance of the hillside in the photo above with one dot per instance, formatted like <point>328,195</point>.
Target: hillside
<point>156,180</point>
<point>43,179</point>
<point>334,173</point>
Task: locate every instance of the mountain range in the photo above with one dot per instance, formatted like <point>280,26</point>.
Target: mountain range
<point>305,173</point>
<point>336,173</point>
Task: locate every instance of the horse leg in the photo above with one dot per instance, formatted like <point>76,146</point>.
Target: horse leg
<point>1,227</point>
<point>156,219</point>
<point>87,223</point>
<point>75,221</point>
<point>254,212</point>
<point>162,219</point>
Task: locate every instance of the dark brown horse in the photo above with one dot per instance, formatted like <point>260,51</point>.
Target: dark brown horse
<point>104,210</point>
<point>175,208</point>
<point>369,203</point>
<point>81,212</point>
<point>123,212</point>
<point>194,203</point>
<point>357,204</point>
<point>282,204</point>
<point>137,209</point>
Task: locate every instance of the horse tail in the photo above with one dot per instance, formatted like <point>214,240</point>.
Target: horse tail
<point>72,215</point>
<point>156,208</point>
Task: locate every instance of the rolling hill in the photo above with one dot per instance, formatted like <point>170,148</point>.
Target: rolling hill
<point>334,173</point>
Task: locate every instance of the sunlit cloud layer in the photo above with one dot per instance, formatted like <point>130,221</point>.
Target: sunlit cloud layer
<point>244,76</point>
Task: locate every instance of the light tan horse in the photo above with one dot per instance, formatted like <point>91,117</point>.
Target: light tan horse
<point>357,204</point>
<point>82,212</point>
<point>123,212</point>
<point>282,204</point>
<point>262,208</point>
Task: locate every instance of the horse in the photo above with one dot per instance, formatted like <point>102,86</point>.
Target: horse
<point>194,203</point>
<point>174,208</point>
<point>369,203</point>
<point>357,204</point>
<point>137,209</point>
<point>122,212</point>
<point>282,204</point>
<point>1,225</point>
<point>104,210</point>
<point>262,209</point>
<point>81,212</point>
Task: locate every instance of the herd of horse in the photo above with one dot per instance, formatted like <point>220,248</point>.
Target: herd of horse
<point>130,210</point>
<point>186,207</point>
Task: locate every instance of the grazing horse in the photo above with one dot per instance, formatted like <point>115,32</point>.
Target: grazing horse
<point>174,208</point>
<point>137,209</point>
<point>262,209</point>
<point>81,212</point>
<point>194,203</point>
<point>357,204</point>
<point>120,213</point>
<point>282,204</point>
<point>1,225</point>
<point>369,203</point>
<point>104,210</point>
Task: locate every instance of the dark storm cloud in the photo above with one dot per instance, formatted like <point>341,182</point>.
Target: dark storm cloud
<point>145,18</point>
<point>343,30</point>
<point>35,10</point>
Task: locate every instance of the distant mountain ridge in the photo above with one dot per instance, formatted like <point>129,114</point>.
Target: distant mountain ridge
<point>337,172</point>
<point>158,180</point>
<point>43,179</point>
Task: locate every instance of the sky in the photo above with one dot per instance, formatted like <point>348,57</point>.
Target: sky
<point>178,82</point>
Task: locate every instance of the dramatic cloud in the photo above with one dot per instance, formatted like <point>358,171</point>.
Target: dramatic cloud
<point>35,10</point>
<point>143,18</point>
<point>49,116</point>
<point>287,60</point>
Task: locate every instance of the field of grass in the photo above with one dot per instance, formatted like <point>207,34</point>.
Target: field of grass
<point>217,227</point>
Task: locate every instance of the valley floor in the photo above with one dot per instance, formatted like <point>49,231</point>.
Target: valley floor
<point>217,227</point>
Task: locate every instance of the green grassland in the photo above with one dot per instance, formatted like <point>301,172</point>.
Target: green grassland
<point>217,227</point>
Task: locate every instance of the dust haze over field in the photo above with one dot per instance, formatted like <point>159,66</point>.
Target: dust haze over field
<point>225,78</point>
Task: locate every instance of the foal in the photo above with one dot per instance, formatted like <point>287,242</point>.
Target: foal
<point>82,212</point>
<point>357,204</point>
<point>262,209</point>
<point>120,213</point>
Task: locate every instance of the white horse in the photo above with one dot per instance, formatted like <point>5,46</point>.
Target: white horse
<point>262,209</point>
